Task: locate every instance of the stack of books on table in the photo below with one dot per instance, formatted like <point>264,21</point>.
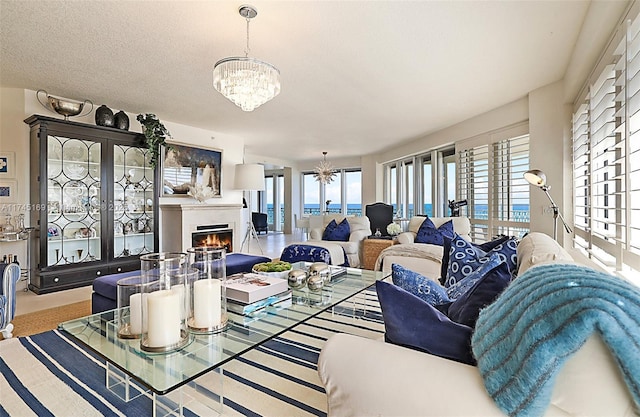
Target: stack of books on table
<point>249,293</point>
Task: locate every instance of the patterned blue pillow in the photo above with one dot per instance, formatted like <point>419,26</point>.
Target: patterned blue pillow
<point>464,258</point>
<point>339,232</point>
<point>414,323</point>
<point>429,234</point>
<point>422,287</point>
<point>458,289</point>
<point>486,246</point>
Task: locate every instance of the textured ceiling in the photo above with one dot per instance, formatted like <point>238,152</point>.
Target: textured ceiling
<point>357,77</point>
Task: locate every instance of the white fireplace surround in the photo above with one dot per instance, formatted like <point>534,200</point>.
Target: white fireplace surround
<point>180,220</point>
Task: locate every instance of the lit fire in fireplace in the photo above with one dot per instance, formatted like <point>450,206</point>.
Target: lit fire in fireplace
<point>216,238</point>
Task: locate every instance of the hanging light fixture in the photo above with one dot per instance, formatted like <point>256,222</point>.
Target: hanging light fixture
<point>324,172</point>
<point>247,82</point>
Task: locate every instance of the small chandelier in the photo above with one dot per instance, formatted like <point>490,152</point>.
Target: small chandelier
<point>324,172</point>
<point>247,82</point>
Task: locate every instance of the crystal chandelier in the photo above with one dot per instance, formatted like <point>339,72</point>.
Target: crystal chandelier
<point>324,172</point>
<point>247,82</point>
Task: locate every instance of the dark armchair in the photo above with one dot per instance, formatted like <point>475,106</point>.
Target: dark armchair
<point>259,222</point>
<point>380,215</point>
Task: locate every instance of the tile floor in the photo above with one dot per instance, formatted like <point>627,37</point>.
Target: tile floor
<point>27,302</point>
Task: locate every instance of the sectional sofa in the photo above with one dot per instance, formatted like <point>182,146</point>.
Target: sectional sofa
<point>364,377</point>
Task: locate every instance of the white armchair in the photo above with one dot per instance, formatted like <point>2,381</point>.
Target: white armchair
<point>360,229</point>
<point>423,258</point>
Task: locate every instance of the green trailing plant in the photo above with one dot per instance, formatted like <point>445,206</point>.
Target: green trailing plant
<point>155,135</point>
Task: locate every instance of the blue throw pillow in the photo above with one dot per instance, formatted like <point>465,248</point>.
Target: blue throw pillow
<point>466,308</point>
<point>446,249</point>
<point>329,229</point>
<point>339,232</point>
<point>418,285</point>
<point>465,284</point>
<point>429,234</point>
<point>464,258</point>
<point>414,323</point>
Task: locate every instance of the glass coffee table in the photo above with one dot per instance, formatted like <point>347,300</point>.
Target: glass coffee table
<point>132,372</point>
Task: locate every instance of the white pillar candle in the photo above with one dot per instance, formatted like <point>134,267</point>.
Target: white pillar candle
<point>163,318</point>
<point>206,303</point>
<point>179,289</point>
<point>136,305</point>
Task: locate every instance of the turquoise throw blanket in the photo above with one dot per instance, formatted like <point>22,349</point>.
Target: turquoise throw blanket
<point>522,340</point>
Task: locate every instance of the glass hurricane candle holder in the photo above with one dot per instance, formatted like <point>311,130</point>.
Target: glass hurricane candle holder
<point>207,293</point>
<point>130,305</point>
<point>164,286</point>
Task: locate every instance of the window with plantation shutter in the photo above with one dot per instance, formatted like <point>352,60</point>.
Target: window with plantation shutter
<point>490,178</point>
<point>606,157</point>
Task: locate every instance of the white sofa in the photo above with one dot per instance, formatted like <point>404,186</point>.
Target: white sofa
<point>360,229</point>
<point>420,257</point>
<point>364,377</point>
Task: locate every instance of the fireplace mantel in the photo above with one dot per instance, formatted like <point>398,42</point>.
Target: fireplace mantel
<point>179,220</point>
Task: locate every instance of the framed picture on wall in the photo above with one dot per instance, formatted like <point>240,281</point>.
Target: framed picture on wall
<point>184,166</point>
<point>8,191</point>
<point>7,165</point>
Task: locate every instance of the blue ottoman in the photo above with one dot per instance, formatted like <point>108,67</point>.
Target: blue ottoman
<point>105,289</point>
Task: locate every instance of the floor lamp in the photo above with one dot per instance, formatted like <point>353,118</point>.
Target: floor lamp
<point>249,177</point>
<point>537,178</point>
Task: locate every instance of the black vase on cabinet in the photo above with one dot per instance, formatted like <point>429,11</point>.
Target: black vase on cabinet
<point>104,116</point>
<point>121,120</point>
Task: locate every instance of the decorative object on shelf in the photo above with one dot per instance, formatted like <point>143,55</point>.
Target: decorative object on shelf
<point>394,229</point>
<point>164,284</point>
<point>104,116</point>
<point>201,193</point>
<point>324,172</point>
<point>66,108</point>
<point>207,292</point>
<point>246,82</point>
<point>539,179</point>
<point>155,135</point>
<point>121,120</point>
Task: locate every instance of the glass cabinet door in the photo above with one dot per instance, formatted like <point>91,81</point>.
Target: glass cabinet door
<point>132,202</point>
<point>73,201</point>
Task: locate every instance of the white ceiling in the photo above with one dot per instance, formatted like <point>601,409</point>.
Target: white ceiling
<point>357,76</point>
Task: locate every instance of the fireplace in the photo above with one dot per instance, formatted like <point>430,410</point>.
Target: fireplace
<point>216,235</point>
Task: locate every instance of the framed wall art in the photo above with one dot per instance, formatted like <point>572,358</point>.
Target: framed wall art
<point>7,164</point>
<point>184,166</point>
<point>8,191</point>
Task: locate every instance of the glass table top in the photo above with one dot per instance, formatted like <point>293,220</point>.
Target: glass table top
<point>163,373</point>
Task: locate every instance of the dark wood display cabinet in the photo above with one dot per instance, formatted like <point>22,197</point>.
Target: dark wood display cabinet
<point>93,202</point>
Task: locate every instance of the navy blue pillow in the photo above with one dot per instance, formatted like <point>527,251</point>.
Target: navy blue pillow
<point>465,284</point>
<point>429,234</point>
<point>446,249</point>
<point>466,308</point>
<point>414,323</point>
<point>464,258</point>
<point>418,285</point>
<point>329,229</point>
<point>338,232</point>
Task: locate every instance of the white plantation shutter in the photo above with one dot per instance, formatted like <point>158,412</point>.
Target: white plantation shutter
<point>490,178</point>
<point>606,158</point>
<point>473,185</point>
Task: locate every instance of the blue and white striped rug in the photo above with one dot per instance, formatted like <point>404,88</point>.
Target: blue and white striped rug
<point>49,375</point>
